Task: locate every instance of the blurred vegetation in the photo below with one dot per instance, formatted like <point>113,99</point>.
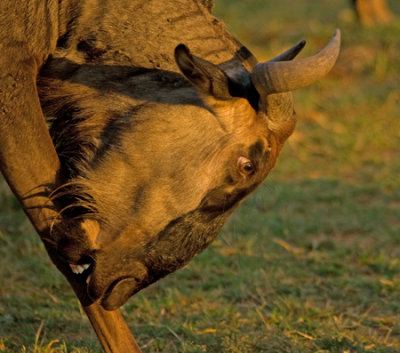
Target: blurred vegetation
<point>309,263</point>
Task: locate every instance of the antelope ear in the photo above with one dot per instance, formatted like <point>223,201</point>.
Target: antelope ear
<point>208,78</point>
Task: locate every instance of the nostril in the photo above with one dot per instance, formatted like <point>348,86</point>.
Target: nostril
<point>119,292</point>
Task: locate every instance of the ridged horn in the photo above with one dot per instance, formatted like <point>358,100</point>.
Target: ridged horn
<point>279,75</point>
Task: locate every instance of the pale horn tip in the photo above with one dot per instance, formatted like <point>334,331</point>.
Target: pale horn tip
<point>277,76</point>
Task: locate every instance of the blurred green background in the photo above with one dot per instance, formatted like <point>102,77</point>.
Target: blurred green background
<point>309,263</point>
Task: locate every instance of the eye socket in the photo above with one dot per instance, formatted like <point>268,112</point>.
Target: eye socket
<point>246,166</point>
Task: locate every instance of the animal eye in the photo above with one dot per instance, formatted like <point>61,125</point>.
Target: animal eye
<point>246,166</point>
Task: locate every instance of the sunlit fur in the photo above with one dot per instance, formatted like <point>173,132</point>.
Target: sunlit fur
<point>149,138</point>
<point>151,168</point>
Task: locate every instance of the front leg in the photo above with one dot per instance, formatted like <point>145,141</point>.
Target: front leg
<point>30,165</point>
<point>28,159</point>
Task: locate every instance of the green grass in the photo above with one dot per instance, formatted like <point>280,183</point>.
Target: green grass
<point>309,263</point>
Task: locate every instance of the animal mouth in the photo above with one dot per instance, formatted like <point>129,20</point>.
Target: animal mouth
<point>79,269</point>
<point>114,295</point>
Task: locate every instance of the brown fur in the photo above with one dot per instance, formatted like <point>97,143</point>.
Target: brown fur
<point>154,147</point>
<point>144,153</point>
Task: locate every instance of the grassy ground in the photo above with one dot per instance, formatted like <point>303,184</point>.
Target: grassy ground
<point>309,263</point>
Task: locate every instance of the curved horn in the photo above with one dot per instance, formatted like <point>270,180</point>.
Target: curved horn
<point>282,76</point>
